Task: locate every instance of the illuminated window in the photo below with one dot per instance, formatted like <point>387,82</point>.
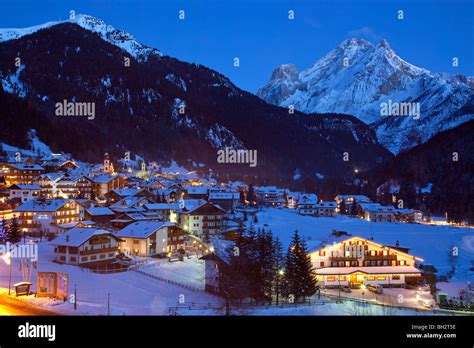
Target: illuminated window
<point>381,278</point>
<point>396,277</point>
<point>331,278</point>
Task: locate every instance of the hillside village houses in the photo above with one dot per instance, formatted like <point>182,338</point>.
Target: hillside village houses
<point>93,212</point>
<point>356,261</point>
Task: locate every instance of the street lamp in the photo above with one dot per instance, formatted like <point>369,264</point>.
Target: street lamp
<point>8,260</point>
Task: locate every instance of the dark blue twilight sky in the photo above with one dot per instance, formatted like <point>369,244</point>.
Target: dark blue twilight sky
<point>260,34</point>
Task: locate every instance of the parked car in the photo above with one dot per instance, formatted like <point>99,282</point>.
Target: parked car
<point>375,288</point>
<point>345,288</point>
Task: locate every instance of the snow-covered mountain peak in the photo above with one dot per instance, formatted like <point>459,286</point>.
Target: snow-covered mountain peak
<point>358,78</point>
<point>285,71</point>
<point>108,33</point>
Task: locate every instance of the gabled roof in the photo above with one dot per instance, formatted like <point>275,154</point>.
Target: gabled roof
<point>224,195</point>
<point>143,229</point>
<point>102,178</point>
<point>43,205</point>
<point>326,205</point>
<point>127,192</point>
<point>129,202</point>
<point>77,236</point>
<point>196,190</point>
<point>161,206</point>
<point>25,166</point>
<point>25,187</point>
<point>99,211</point>
<point>370,242</point>
<point>192,205</point>
<point>358,198</point>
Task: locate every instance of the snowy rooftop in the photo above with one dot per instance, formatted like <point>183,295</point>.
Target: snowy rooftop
<point>358,198</point>
<point>368,270</point>
<point>127,191</point>
<point>25,187</point>
<point>128,202</point>
<point>26,166</point>
<point>77,236</point>
<point>161,206</point>
<point>45,205</point>
<point>97,211</point>
<point>224,195</point>
<point>196,190</point>
<point>143,229</point>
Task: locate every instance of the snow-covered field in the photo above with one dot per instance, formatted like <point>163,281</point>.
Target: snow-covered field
<point>190,271</point>
<point>430,242</point>
<point>130,293</point>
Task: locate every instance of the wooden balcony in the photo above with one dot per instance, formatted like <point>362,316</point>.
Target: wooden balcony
<point>380,257</point>
<point>98,251</point>
<point>343,258</point>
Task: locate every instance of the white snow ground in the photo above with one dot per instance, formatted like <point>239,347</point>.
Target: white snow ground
<point>130,293</point>
<point>430,242</point>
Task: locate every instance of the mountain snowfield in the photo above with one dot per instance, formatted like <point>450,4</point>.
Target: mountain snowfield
<point>108,33</point>
<point>358,77</point>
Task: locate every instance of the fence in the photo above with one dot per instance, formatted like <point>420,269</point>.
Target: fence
<point>173,282</point>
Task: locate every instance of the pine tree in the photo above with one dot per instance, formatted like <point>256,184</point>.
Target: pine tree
<point>3,232</point>
<point>299,280</point>
<point>251,194</point>
<point>13,232</point>
<point>278,262</point>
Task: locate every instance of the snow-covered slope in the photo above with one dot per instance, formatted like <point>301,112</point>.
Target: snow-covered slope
<point>114,36</point>
<point>358,77</point>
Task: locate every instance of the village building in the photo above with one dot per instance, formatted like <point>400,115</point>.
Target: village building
<point>42,216</point>
<point>200,218</point>
<point>167,210</point>
<point>150,238</point>
<point>226,200</point>
<point>119,194</point>
<point>14,173</point>
<point>375,212</point>
<point>167,195</point>
<point>100,215</point>
<point>326,209</point>
<point>408,215</point>
<point>102,184</point>
<point>24,192</point>
<point>195,192</point>
<point>361,261</point>
<point>307,204</point>
<point>86,246</point>
<point>270,195</point>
